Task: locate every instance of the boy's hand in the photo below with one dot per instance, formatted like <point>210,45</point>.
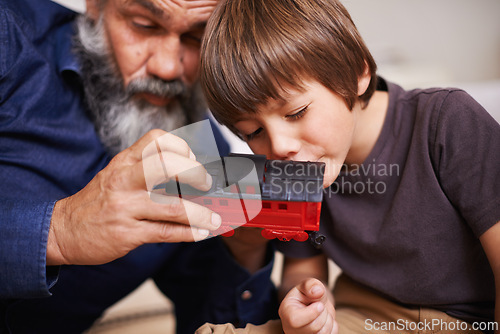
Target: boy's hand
<point>308,308</point>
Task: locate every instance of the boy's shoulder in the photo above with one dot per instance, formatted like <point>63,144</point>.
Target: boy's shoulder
<point>437,105</point>
<point>430,96</point>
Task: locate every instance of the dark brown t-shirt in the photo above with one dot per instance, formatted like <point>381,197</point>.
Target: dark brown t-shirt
<point>406,222</point>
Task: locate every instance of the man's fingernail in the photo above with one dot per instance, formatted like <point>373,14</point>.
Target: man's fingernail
<point>209,181</point>
<point>216,220</point>
<point>192,156</point>
<point>202,233</point>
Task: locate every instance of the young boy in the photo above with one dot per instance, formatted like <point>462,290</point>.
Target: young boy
<point>411,205</point>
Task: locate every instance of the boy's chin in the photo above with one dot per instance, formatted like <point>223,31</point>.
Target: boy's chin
<point>327,183</point>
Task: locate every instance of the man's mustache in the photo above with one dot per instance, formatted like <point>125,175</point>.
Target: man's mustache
<point>158,87</point>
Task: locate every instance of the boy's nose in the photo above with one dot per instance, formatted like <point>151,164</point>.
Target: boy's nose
<point>283,146</point>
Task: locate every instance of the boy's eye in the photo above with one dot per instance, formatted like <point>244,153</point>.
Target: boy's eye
<point>252,135</point>
<point>298,114</point>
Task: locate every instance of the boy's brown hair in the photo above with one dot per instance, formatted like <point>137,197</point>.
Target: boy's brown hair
<point>253,48</point>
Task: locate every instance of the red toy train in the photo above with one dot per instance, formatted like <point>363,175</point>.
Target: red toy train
<point>281,197</point>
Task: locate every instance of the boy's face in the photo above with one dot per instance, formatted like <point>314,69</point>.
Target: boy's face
<point>310,125</point>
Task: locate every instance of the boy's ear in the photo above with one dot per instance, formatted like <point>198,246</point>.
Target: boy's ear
<point>364,81</point>
<point>93,9</point>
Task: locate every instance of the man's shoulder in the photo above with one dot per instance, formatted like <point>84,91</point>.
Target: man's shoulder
<point>32,27</point>
<point>35,17</point>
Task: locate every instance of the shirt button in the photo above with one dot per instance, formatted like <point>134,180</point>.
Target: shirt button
<point>246,295</point>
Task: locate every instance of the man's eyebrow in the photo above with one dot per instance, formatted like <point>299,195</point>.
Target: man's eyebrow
<point>200,25</point>
<point>148,5</point>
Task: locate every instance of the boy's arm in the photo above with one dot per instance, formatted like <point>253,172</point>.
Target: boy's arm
<point>296,270</point>
<point>307,306</point>
<point>491,245</point>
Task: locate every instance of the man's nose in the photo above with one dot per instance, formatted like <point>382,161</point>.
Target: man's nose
<point>166,59</point>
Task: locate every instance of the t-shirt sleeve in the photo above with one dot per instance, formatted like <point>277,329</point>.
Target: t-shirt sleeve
<point>466,149</point>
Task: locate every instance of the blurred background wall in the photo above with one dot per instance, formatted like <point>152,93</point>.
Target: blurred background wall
<point>426,40</point>
<point>428,43</point>
<point>431,41</point>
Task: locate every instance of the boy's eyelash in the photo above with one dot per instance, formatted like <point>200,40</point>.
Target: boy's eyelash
<point>252,135</point>
<point>292,117</point>
<point>298,114</point>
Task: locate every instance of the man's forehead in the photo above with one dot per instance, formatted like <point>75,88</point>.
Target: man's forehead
<point>162,8</point>
<point>150,5</point>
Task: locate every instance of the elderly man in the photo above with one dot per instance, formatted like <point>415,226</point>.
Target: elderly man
<point>78,231</point>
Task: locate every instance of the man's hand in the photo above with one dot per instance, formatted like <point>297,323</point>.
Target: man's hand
<point>308,308</point>
<point>114,213</point>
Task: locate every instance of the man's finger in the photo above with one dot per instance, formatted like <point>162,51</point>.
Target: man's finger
<point>167,142</point>
<point>162,208</point>
<point>160,168</point>
<point>154,141</point>
<point>155,232</point>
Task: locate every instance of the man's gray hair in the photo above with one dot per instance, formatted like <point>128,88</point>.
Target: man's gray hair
<point>121,119</point>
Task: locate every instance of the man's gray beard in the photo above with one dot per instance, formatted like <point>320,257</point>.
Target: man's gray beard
<point>119,119</point>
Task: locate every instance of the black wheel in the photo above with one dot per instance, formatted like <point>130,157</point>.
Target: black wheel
<point>316,239</point>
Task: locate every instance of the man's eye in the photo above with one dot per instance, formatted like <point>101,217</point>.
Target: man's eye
<point>192,39</point>
<point>252,135</point>
<point>144,24</point>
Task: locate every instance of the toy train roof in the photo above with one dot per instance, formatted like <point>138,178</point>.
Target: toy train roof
<point>254,177</point>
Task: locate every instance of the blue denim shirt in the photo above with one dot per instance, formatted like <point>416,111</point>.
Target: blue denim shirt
<point>48,146</point>
<point>49,150</point>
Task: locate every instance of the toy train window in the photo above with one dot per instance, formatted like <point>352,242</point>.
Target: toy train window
<point>266,205</point>
<point>282,206</point>
<point>207,201</point>
<point>223,202</point>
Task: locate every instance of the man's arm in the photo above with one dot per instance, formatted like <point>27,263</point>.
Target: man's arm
<point>491,245</point>
<point>24,225</point>
<point>114,213</point>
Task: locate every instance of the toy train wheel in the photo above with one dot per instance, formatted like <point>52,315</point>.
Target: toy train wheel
<point>229,233</point>
<point>280,235</point>
<point>285,235</point>
<point>268,234</point>
<point>301,236</point>
<point>225,231</point>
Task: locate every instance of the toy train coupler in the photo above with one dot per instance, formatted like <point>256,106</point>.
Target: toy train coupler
<point>316,239</point>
